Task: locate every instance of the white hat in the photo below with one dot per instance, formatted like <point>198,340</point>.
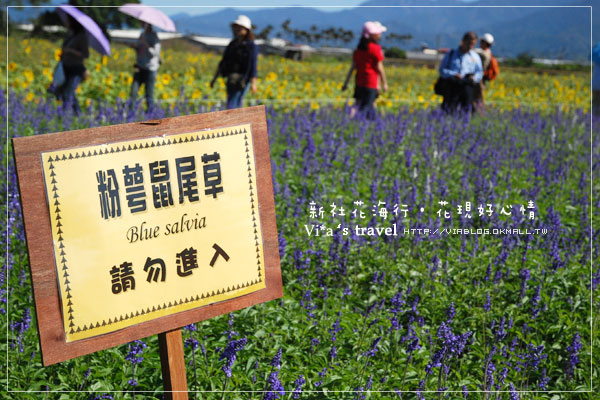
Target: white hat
<point>488,38</point>
<point>243,21</point>
<point>373,28</point>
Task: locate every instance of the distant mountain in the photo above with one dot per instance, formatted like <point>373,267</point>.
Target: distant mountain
<point>537,29</point>
<point>544,28</point>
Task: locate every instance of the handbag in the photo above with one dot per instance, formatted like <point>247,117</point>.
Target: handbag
<point>235,82</point>
<point>442,85</point>
<point>58,79</point>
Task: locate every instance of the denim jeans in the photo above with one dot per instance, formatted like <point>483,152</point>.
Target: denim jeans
<point>66,93</point>
<point>365,98</point>
<point>147,78</point>
<point>234,97</point>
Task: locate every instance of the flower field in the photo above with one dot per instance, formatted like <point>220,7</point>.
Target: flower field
<point>282,83</point>
<point>450,314</point>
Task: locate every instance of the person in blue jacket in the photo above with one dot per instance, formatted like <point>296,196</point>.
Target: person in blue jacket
<point>462,71</point>
<point>238,64</point>
<point>596,80</point>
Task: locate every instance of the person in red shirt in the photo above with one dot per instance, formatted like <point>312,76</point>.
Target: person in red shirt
<point>367,60</point>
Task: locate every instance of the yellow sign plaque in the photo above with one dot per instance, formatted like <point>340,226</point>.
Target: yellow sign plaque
<point>179,214</point>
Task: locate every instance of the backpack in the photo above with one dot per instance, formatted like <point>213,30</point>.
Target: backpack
<point>492,71</point>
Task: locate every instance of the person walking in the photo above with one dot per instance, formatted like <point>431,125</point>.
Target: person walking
<point>367,60</point>
<point>485,50</point>
<point>485,54</point>
<point>460,71</point>
<point>596,80</point>
<point>239,63</point>
<point>75,50</point>
<point>146,66</point>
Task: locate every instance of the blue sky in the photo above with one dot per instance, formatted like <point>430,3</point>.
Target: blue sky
<point>198,7</point>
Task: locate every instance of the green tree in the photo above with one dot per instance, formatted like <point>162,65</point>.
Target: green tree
<point>106,17</point>
<point>265,32</point>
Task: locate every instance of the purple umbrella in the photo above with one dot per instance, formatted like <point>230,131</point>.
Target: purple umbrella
<point>96,38</point>
<point>150,15</point>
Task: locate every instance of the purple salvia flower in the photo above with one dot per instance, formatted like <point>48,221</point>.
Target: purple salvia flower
<point>513,395</point>
<point>420,390</point>
<point>347,291</point>
<point>230,332</point>
<point>501,377</point>
<point>488,272</point>
<point>500,332</point>
<point>450,313</point>
<point>573,351</point>
<point>136,351</point>
<point>535,301</point>
<point>335,328</point>
<point>229,354</point>
<point>412,340</point>
<point>313,343</point>
<point>298,389</point>
<point>20,327</point>
<point>276,361</point>
<point>543,380</point>
<point>491,367</point>
<point>323,372</point>
<point>371,352</point>
<point>276,389</point>
<point>333,352</point>
<point>596,279</point>
<point>451,346</point>
<point>534,355</point>
<point>524,275</point>
<point>375,278</point>
<point>488,302</point>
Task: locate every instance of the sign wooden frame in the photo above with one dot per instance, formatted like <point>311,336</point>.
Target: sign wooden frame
<point>38,227</point>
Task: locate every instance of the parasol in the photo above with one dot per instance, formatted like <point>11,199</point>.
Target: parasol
<point>96,37</point>
<point>150,15</point>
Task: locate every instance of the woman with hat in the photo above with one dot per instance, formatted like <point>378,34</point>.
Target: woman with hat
<point>367,60</point>
<point>485,50</point>
<point>238,64</point>
<point>485,53</point>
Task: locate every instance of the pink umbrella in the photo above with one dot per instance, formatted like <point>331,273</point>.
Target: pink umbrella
<point>96,38</point>
<point>150,15</point>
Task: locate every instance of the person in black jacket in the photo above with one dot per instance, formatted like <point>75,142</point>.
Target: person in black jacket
<point>238,64</point>
<point>74,51</point>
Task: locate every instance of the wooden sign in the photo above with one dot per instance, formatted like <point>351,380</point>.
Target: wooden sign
<point>143,228</point>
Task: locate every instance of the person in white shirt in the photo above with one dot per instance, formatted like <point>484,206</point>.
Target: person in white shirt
<point>146,66</point>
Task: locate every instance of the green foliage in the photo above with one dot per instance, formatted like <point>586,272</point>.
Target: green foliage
<point>522,60</point>
<point>394,52</point>
<point>106,17</point>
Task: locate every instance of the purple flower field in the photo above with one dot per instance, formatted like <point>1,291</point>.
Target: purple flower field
<point>489,300</point>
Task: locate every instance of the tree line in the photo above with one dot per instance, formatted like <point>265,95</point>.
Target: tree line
<point>316,35</point>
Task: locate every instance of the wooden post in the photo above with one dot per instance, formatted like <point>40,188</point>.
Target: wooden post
<point>173,365</point>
